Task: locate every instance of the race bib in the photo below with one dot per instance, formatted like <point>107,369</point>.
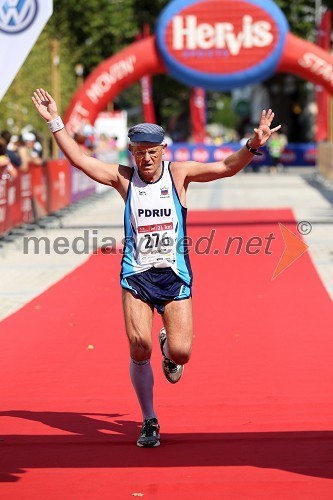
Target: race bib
<point>156,243</point>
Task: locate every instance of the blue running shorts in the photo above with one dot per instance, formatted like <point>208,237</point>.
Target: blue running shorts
<point>157,286</point>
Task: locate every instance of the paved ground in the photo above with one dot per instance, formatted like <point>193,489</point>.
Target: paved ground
<point>26,273</point>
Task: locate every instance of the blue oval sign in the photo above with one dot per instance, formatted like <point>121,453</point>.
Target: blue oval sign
<point>221,44</point>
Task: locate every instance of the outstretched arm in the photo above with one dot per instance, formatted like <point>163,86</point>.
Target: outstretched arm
<point>96,169</point>
<point>205,172</point>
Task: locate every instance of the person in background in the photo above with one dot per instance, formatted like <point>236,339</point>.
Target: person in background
<point>276,146</point>
<point>7,171</point>
<point>12,148</point>
<point>80,139</point>
<point>27,152</point>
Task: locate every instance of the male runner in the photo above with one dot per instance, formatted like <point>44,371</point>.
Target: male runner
<point>156,271</point>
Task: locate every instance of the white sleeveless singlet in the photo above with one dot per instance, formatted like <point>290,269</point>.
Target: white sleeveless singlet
<point>155,227</point>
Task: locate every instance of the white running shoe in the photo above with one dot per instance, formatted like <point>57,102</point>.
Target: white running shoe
<point>171,371</point>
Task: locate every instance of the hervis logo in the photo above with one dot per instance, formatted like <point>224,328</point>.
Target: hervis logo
<point>221,44</point>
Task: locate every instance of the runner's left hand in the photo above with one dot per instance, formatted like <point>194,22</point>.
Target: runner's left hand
<point>263,132</point>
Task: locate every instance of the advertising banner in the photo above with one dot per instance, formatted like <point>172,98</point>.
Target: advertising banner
<point>198,114</point>
<point>3,206</point>
<point>219,45</point>
<point>294,155</point>
<point>213,44</point>
<point>58,184</point>
<point>14,202</point>
<point>322,96</point>
<point>21,22</point>
<point>39,191</point>
<point>26,196</point>
<point>81,185</point>
<point>147,99</point>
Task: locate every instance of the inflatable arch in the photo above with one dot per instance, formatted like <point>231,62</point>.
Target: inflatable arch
<point>259,42</point>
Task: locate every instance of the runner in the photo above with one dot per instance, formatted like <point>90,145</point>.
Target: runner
<point>156,271</point>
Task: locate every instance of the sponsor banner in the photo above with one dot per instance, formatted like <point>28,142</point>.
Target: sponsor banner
<point>308,61</point>
<point>81,185</point>
<point>147,99</point>
<point>19,200</point>
<point>39,191</point>
<point>322,96</point>
<point>21,22</point>
<point>218,44</point>
<point>109,79</point>
<point>14,202</point>
<point>147,90</point>
<point>198,114</point>
<point>58,180</point>
<point>26,196</point>
<point>294,155</point>
<point>3,206</point>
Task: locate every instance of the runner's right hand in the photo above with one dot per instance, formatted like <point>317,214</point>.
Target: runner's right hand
<point>45,104</point>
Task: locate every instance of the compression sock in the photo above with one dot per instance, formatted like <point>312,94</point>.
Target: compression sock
<point>143,382</point>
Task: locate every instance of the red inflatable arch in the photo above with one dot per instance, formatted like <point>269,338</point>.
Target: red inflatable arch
<point>299,57</point>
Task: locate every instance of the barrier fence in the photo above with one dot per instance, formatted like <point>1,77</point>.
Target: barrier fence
<point>325,160</point>
<point>302,154</point>
<point>41,191</point>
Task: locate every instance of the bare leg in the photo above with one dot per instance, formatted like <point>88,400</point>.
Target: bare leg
<point>138,321</point>
<point>178,322</point>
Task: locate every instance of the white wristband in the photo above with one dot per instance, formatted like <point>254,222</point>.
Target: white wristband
<point>56,124</point>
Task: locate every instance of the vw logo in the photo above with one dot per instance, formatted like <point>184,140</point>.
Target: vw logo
<point>17,15</point>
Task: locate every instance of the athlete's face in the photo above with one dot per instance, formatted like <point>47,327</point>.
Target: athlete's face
<point>148,158</point>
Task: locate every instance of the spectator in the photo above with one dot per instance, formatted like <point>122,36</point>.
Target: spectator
<point>80,138</point>
<point>7,170</point>
<point>12,148</point>
<point>276,146</point>
<point>27,152</point>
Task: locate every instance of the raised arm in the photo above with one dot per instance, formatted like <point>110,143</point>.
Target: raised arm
<point>99,171</point>
<point>205,172</point>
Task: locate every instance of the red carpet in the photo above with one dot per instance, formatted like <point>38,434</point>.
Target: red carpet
<point>252,417</point>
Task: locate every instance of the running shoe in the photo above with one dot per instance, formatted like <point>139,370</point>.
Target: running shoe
<point>171,371</point>
<point>150,434</point>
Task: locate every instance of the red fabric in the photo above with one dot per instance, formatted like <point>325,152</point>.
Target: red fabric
<point>322,96</point>
<point>102,85</point>
<point>58,180</point>
<point>306,60</point>
<point>147,99</point>
<point>4,209</point>
<point>251,418</point>
<point>39,190</point>
<point>198,114</point>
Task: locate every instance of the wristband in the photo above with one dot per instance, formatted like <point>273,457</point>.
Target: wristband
<point>253,151</point>
<point>56,124</point>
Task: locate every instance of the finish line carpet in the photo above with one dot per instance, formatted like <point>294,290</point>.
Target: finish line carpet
<point>251,418</point>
